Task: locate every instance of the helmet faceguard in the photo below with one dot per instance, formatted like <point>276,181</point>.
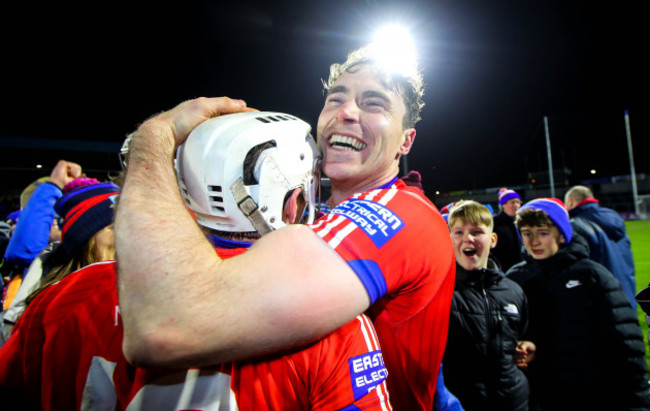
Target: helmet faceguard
<point>236,171</point>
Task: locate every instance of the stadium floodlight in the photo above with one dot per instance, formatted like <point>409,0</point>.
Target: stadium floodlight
<point>394,49</point>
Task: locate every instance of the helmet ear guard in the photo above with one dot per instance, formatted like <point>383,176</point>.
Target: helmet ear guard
<point>235,171</point>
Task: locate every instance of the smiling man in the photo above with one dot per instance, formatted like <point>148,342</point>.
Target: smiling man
<point>384,249</point>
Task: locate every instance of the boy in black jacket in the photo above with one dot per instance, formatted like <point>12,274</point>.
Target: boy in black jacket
<point>590,352</point>
<point>488,314</point>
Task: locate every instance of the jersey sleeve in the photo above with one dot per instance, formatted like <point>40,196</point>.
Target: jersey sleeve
<point>391,238</point>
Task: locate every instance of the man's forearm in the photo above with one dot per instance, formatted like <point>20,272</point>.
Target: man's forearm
<point>150,216</point>
<point>181,304</point>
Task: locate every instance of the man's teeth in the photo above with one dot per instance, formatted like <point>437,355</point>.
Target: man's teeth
<point>469,252</point>
<point>346,143</point>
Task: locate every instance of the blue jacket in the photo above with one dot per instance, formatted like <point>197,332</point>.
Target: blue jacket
<point>609,246</point>
<point>32,232</point>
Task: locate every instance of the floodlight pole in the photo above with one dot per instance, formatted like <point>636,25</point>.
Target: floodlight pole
<point>550,160</point>
<point>635,195</point>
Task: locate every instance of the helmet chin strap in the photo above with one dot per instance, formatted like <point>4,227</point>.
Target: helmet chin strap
<point>249,207</point>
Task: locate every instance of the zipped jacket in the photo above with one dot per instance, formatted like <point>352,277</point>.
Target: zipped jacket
<point>590,350</point>
<point>488,314</point>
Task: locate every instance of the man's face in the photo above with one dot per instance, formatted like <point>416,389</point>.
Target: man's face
<point>472,244</point>
<point>511,206</point>
<point>541,242</point>
<point>360,130</point>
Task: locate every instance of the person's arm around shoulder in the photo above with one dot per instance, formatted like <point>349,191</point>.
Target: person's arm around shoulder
<point>180,303</point>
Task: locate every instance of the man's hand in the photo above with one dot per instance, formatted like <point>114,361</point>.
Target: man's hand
<point>162,134</point>
<point>187,115</point>
<point>183,118</point>
<point>64,172</point>
<point>525,353</point>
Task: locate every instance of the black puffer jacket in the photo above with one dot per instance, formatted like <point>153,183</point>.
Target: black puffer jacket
<point>509,249</point>
<point>590,351</point>
<point>488,313</point>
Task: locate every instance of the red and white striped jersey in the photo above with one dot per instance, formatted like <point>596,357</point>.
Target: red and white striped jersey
<point>398,244</point>
<point>65,353</point>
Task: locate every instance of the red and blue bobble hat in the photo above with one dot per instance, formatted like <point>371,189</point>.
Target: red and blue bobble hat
<point>556,211</point>
<point>506,194</point>
<point>79,182</point>
<point>85,211</point>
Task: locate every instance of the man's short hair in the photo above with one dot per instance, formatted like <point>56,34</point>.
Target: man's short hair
<point>533,218</point>
<point>410,87</point>
<point>579,193</point>
<point>470,212</point>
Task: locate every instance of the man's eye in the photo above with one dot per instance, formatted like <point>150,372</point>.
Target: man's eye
<point>374,103</point>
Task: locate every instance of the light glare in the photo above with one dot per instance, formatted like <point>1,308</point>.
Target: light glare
<point>394,50</point>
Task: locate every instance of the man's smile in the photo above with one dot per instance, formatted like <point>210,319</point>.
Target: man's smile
<point>346,143</point>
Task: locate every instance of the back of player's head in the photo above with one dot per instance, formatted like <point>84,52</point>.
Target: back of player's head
<point>470,212</point>
<point>237,171</point>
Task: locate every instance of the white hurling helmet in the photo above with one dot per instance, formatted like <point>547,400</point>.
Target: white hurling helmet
<point>235,171</point>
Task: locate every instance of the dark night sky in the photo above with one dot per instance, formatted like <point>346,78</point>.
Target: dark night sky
<point>494,69</point>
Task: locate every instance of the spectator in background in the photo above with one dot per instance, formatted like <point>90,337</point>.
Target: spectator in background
<point>488,316</point>
<point>37,226</point>
<point>590,351</point>
<point>87,237</point>
<point>605,232</point>
<point>509,249</point>
<point>6,230</point>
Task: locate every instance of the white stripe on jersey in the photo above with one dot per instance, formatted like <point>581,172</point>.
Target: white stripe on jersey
<point>390,193</point>
<point>371,342</point>
<point>322,221</point>
<point>369,335</point>
<point>323,227</point>
<point>341,234</point>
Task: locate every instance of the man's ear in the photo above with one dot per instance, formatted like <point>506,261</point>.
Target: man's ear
<point>408,137</point>
<point>493,243</point>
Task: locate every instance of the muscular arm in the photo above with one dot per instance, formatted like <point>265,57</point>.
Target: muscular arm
<point>181,305</point>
